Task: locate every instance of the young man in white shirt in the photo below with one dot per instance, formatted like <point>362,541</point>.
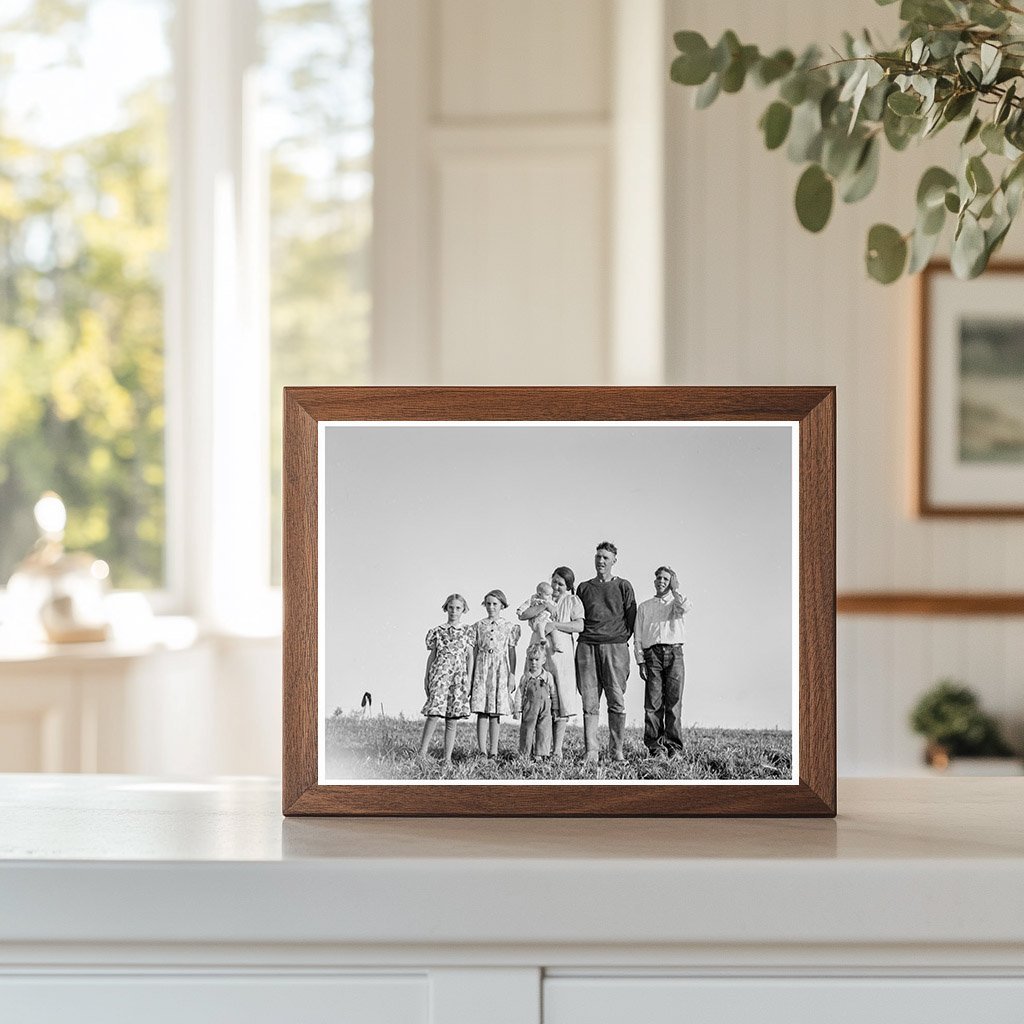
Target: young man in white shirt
<point>658,644</point>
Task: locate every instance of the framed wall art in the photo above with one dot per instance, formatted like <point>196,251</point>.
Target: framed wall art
<point>559,601</point>
<point>970,444</point>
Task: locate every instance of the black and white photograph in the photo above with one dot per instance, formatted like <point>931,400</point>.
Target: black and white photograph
<point>551,602</point>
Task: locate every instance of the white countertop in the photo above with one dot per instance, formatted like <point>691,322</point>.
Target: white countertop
<point>123,859</point>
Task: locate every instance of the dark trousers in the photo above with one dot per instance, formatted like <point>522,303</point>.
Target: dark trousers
<point>663,698</point>
<point>602,668</point>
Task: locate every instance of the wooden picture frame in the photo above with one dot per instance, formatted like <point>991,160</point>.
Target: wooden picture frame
<point>315,416</point>
<point>963,448</point>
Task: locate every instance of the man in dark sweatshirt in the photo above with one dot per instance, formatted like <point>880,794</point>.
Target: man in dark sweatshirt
<point>602,652</point>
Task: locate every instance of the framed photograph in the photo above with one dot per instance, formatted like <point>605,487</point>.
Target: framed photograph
<point>559,601</point>
<point>970,451</point>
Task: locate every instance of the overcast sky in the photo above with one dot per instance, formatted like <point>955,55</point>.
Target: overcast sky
<point>416,511</point>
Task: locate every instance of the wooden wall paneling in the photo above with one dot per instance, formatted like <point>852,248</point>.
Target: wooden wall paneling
<point>847,653</point>
<point>910,677</point>
<point>523,241</point>
<point>528,59</point>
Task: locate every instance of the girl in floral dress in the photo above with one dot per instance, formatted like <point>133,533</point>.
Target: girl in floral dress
<point>449,670</point>
<point>494,667</point>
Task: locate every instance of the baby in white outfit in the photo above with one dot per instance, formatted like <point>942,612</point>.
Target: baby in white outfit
<point>537,610</point>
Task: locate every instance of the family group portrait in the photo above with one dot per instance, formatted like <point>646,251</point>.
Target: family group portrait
<point>538,602</point>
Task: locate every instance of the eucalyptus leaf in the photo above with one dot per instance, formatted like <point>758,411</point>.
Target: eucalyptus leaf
<point>903,103</point>
<point>814,195</point>
<point>771,69</point>
<point>931,190</point>
<point>922,248</point>
<point>968,247</point>
<point>991,60</point>
<point>993,138</point>
<point>865,173</point>
<point>724,51</point>
<point>973,129</point>
<point>840,152</point>
<point>932,221</point>
<point>805,133</point>
<point>954,60</point>
<point>735,74</point>
<point>707,93</point>
<point>1005,104</point>
<point>978,176</point>
<point>886,253</point>
<point>775,124</point>
<point>987,15</point>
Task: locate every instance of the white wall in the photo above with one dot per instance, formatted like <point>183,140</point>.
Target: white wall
<point>754,299</point>
<point>513,156</point>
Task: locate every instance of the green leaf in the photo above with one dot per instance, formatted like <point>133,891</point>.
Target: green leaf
<point>987,15</point>
<point>931,222</point>
<point>693,65</point>
<point>687,71</point>
<point>839,151</point>
<point>814,194</point>
<point>991,60</point>
<point>904,103</point>
<point>1004,106</point>
<point>978,176</point>
<point>707,93</point>
<point>805,133</point>
<point>794,89</point>
<point>775,124</point>
<point>931,191</point>
<point>873,106</point>
<point>973,129</point>
<point>725,50</point>
<point>993,138</point>
<point>865,173</point>
<point>900,130</point>
<point>771,69</point>
<point>736,73</point>
<point>968,256</point>
<point>922,247</point>
<point>887,253</point>
<point>959,105</point>
<point>952,202</point>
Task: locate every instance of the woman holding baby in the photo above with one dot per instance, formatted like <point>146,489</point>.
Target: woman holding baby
<point>562,621</point>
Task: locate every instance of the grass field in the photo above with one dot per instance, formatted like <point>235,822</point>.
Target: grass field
<point>382,747</point>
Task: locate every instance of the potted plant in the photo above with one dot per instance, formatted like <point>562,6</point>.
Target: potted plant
<point>950,717</point>
<point>956,62</point>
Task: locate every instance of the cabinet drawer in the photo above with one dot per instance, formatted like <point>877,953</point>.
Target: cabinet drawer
<point>665,1000</point>
<point>202,999</point>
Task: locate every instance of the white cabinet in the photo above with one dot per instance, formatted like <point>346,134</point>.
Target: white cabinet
<point>824,1000</point>
<point>202,999</point>
<point>127,899</point>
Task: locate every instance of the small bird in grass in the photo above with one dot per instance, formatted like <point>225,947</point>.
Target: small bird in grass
<point>366,704</point>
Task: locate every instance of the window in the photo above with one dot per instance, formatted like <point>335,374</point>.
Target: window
<point>83,236</point>
<point>185,222</point>
<point>317,118</point>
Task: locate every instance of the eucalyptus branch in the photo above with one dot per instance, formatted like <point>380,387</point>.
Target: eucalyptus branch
<point>833,117</point>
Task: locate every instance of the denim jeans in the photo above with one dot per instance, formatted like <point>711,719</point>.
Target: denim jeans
<point>663,698</point>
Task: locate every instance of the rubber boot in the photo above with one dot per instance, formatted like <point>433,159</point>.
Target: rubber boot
<point>590,738</point>
<point>616,734</point>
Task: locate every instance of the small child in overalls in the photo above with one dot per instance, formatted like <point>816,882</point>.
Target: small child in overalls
<point>535,697</point>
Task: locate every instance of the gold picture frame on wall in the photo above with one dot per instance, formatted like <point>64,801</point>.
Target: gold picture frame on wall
<point>970,383</point>
<point>364,473</point>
